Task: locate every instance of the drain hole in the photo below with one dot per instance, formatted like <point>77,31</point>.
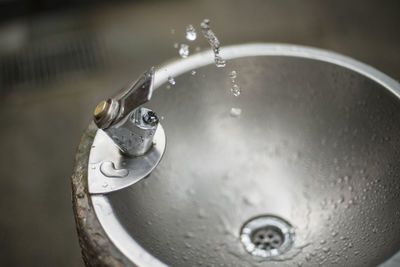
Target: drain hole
<point>267,236</point>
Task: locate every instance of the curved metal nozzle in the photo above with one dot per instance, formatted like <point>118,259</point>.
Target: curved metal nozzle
<point>131,127</point>
<point>111,111</point>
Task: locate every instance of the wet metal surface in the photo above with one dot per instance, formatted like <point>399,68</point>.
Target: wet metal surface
<point>36,223</point>
<point>317,144</point>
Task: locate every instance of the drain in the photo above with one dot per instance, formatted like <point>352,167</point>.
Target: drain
<point>267,236</point>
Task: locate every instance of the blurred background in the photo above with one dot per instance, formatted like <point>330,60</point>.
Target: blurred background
<point>58,59</point>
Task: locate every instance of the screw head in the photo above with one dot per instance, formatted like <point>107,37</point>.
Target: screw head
<point>150,118</point>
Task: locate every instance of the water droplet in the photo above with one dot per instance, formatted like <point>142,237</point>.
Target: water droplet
<point>171,80</point>
<point>80,195</point>
<point>176,45</point>
<point>322,241</point>
<point>197,48</point>
<point>105,185</point>
<point>236,112</point>
<point>235,90</point>
<point>313,253</point>
<point>251,200</point>
<point>184,50</point>
<point>193,72</point>
<point>233,75</point>
<point>334,233</point>
<point>189,235</point>
<point>213,41</point>
<point>172,31</point>
<point>108,169</point>
<point>219,62</point>
<point>326,250</point>
<point>191,34</point>
<point>350,188</point>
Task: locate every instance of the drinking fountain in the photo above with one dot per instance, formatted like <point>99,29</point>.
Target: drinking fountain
<point>306,174</point>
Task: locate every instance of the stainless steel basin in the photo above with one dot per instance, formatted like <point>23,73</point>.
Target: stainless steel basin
<point>317,145</point>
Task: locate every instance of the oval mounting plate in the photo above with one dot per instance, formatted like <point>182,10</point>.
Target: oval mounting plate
<point>109,170</point>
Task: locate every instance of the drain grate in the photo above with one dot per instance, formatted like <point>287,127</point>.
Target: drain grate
<point>267,236</point>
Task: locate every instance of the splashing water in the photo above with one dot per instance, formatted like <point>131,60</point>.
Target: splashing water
<point>184,50</point>
<point>171,80</point>
<point>213,41</point>
<point>233,75</point>
<point>219,62</point>
<point>235,90</point>
<point>191,34</point>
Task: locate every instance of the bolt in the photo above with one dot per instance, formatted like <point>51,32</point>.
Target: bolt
<point>150,118</point>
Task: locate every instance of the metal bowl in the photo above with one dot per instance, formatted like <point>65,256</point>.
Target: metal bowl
<point>316,146</point>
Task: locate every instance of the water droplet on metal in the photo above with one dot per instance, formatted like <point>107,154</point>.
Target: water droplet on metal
<point>350,188</point>
<point>108,169</point>
<point>236,112</point>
